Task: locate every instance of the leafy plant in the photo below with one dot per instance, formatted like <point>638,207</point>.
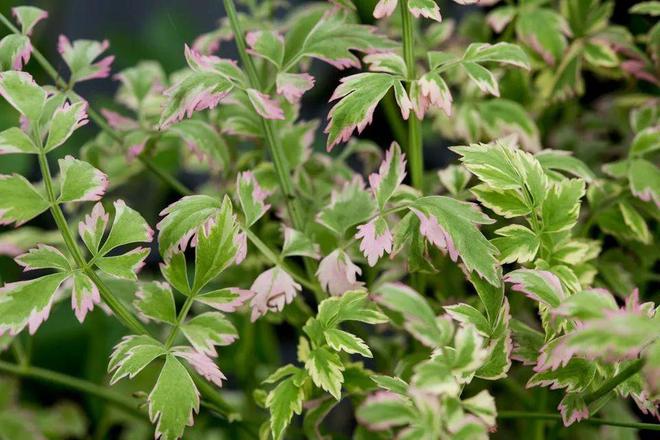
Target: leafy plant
<point>303,293</point>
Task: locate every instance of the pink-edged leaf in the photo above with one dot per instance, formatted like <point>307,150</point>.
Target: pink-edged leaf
<point>430,91</point>
<point>252,197</point>
<point>226,300</point>
<point>390,174</point>
<point>118,121</point>
<point>540,285</point>
<point>573,409</point>
<point>241,247</point>
<point>84,295</point>
<point>28,17</point>
<point>337,273</point>
<point>385,8</point>
<point>376,240</point>
<point>15,51</point>
<point>80,181</point>
<point>273,289</point>
<point>81,55</point>
<point>425,8</point>
<point>203,364</point>
<point>265,106</point>
<point>293,85</point>
<point>66,119</point>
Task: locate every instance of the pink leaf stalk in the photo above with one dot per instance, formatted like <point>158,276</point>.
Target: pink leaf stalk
<point>337,273</point>
<point>374,245</point>
<point>273,289</point>
<point>203,364</point>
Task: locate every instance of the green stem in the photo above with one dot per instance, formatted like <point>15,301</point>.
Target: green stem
<point>274,145</point>
<point>615,381</point>
<point>504,415</point>
<point>394,119</point>
<point>52,377</point>
<point>19,352</point>
<point>179,319</point>
<point>415,152</point>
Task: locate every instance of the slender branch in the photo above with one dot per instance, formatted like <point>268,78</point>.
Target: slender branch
<point>179,319</point>
<point>394,119</point>
<point>504,415</point>
<point>52,377</point>
<point>415,151</point>
<point>94,116</point>
<point>274,145</point>
<point>615,381</point>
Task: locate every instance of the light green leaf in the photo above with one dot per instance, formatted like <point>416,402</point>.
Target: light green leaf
<point>634,220</point>
<point>644,180</point>
<point>216,246</point>
<point>454,178</point>
<point>80,181</point>
<point>539,285</point>
<point>28,17</point>
<point>350,206</point>
<point>20,90</point>
<point>391,383</point>
<point>154,300</point>
<point>173,400</point>
<point>182,218</point>
<point>124,266</point>
<point>483,406</point>
<point>351,306</point>
<point>503,53</point>
<point>175,272</point>
<point>518,243</point>
<point>458,221</point>
<point>561,207</point>
<point>268,45</point>
<point>491,297</point>
<point>482,77</point>
<point>28,303</point>
<point>44,257</point>
<point>564,161</point>
<point>128,227</point>
<point>203,140</point>
<point>66,119</point>
<point>14,140</point>
<point>325,369</point>
<point>648,8</point>
<point>19,200</point>
<point>298,244</point>
<point>340,340</point>
<point>646,141</point>
<point>600,54</point>
<point>358,96</point>
<point>508,203</point>
<point>587,304</point>
<point>132,355</point>
<point>385,410</point>
<point>283,402</point>
<point>209,329</point>
<point>390,175</point>
<point>543,31</point>
<point>252,197</point>
<point>466,314</point>
<point>502,117</point>
<point>92,228</point>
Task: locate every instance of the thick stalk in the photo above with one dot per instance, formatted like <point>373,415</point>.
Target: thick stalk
<point>504,415</point>
<point>51,377</point>
<point>615,381</point>
<point>415,152</point>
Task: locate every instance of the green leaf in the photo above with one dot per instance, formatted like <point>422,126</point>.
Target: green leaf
<point>600,54</point>
<point>543,31</point>
<point>173,400</point>
<point>182,218</point>
<point>634,220</point>
<point>646,141</point>
<point>216,246</point>
<point>340,340</point>
<point>252,197</point>
<point>203,140</point>
<point>28,17</point>
<point>385,410</point>
<point>644,178</point>
<point>502,117</point>
<point>491,297</point>
<point>350,206</point>
<point>518,243</point>
<point>561,207</point>
<point>458,221</point>
<point>351,306</point>
<point>83,295</point>
<point>22,93</point>
<point>358,96</point>
<point>124,266</point>
<point>508,203</point>
<point>325,369</point>
<point>503,53</point>
<point>297,243</point>
<point>394,384</point>
<point>44,257</point>
<point>454,178</point>
<point>28,303</point>
<point>648,8</point>
<point>209,329</point>
<point>330,38</point>
<point>14,140</point>
<point>576,375</point>
<point>587,304</point>
<point>539,285</point>
<point>19,200</point>
<point>483,406</point>
<point>66,119</point>
<point>466,314</point>
<point>154,300</point>
<point>482,77</point>
<point>564,161</point>
<point>390,175</point>
<point>268,45</point>
<point>80,181</point>
<point>128,227</point>
<point>80,58</point>
<point>420,320</point>
<point>132,355</point>
<point>283,402</point>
